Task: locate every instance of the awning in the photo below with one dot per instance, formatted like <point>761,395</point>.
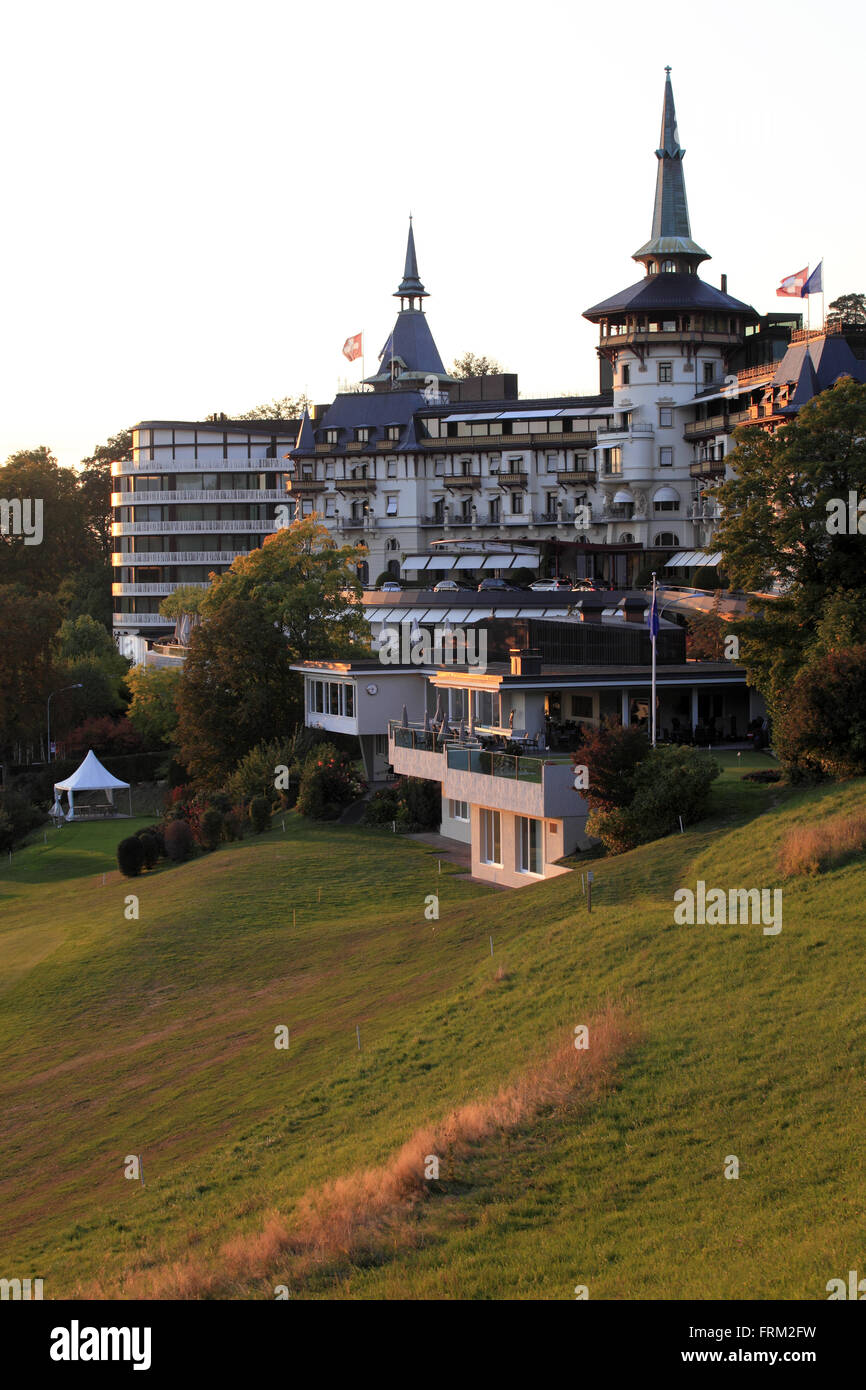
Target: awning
<point>685,559</point>
<point>428,562</point>
<point>509,562</point>
<point>666,494</point>
<point>622,495</point>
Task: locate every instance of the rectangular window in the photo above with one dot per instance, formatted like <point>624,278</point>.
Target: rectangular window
<point>330,506</point>
<point>666,416</point>
<point>493,509</point>
<point>613,460</point>
<point>392,432</point>
<point>333,697</point>
<point>530,854</point>
<point>391,507</point>
<point>483,705</point>
<point>332,436</point>
<point>666,457</point>
<point>581,706</point>
<point>458,810</point>
<point>491,842</point>
<point>516,503</point>
<point>626,375</point>
<point>362,435</point>
<point>709,373</point>
<point>666,371</point>
<point>349,701</point>
<point>392,468</point>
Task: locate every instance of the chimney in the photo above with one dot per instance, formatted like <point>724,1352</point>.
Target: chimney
<point>724,284</point>
<point>525,662</point>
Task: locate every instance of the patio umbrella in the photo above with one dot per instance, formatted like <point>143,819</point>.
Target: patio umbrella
<point>405,719</point>
<point>438,715</point>
<point>461,732</point>
<point>472,721</point>
<point>510,719</point>
<point>426,722</point>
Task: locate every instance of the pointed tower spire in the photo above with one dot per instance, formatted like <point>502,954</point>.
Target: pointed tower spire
<point>410,286</point>
<point>671,245</point>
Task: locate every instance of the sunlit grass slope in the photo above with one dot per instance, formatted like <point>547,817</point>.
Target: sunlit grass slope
<point>156,1037</point>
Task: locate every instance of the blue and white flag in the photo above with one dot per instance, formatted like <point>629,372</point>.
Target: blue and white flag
<point>815,282</point>
<point>652,618</point>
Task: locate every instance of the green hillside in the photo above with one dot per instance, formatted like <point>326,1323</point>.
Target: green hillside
<point>156,1037</point>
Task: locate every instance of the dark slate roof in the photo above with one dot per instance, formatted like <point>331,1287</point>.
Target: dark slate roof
<point>815,366</point>
<point>411,283</point>
<point>371,408</point>
<point>306,439</point>
<point>671,231</point>
<point>669,291</point>
<point>411,344</point>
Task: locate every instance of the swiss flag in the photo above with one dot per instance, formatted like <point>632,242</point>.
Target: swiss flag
<point>793,284</point>
<point>352,347</point>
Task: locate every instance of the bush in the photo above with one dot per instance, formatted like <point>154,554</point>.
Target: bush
<point>210,828</point>
<point>670,783</point>
<point>149,848</point>
<point>328,784</point>
<point>233,825</point>
<point>616,828</point>
<point>764,774</point>
<point>156,833</point>
<point>260,814</point>
<point>383,807</point>
<point>822,730</point>
<point>423,800</point>
<point>256,774</point>
<point>18,816</point>
<point>130,856</point>
<point>611,753</point>
<point>178,840</point>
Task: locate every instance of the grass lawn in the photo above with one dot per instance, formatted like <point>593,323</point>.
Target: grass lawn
<point>156,1037</point>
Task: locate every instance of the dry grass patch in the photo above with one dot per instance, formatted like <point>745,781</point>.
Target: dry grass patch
<point>813,848</point>
<point>368,1214</point>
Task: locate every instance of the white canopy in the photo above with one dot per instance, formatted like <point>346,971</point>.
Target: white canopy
<point>91,776</point>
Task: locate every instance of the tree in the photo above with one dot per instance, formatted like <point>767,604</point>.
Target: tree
<point>237,689</point>
<point>85,637</point>
<point>306,585</point>
<point>470,365</point>
<point>285,408</point>
<point>28,667</point>
<point>62,543</point>
<point>184,605</point>
<point>94,482</point>
<point>153,711</point>
<point>823,733</point>
<point>779,521</point>
<point>848,308</point>
<point>611,754</point>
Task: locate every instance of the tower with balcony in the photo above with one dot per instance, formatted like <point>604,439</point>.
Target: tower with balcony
<point>669,339</point>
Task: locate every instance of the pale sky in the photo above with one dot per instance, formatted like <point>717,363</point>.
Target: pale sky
<point>203,200</point>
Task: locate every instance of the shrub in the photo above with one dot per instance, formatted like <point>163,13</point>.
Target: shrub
<point>233,825</point>
<point>383,807</point>
<point>670,783</point>
<point>764,774</point>
<point>19,817</point>
<point>149,848</point>
<point>822,730</point>
<point>255,774</point>
<point>807,849</point>
<point>328,784</point>
<point>423,801</point>
<point>130,856</point>
<point>158,834</point>
<point>260,814</point>
<point>616,829</point>
<point>611,754</point>
<point>178,840</point>
<point>210,828</point>
<point>707,577</point>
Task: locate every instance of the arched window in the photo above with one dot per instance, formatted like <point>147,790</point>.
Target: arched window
<point>668,266</point>
<point>650,267</point>
<point>626,538</point>
<point>667,538</point>
<point>364,572</point>
<point>394,568</point>
<point>392,543</point>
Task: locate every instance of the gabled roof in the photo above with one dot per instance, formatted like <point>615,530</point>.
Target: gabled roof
<point>815,366</point>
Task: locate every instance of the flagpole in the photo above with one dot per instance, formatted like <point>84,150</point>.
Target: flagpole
<point>653,620</point>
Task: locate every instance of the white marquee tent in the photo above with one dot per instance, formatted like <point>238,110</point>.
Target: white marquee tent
<point>90,777</point>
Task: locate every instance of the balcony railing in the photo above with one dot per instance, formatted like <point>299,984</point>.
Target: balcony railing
<point>141,620</point>
<point>703,468</point>
<point>142,590</point>
<point>173,464</point>
<point>173,528</point>
<point>153,499</point>
<point>131,558</point>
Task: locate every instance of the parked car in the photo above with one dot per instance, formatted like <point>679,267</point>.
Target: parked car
<point>585,585</point>
<point>392,587</point>
<point>448,586</point>
<point>494,584</point>
<point>545,586</point>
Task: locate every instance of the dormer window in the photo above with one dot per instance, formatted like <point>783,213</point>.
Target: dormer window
<point>393,433</point>
<point>668,267</point>
<point>362,435</point>
<point>332,436</point>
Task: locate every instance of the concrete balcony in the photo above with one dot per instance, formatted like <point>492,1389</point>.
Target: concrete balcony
<point>306,485</point>
<point>166,499</point>
<point>528,786</point>
<point>130,558</point>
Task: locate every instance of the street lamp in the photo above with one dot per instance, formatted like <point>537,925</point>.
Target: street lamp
<point>78,686</point>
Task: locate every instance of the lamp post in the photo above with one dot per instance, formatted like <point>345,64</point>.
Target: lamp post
<point>78,686</point>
